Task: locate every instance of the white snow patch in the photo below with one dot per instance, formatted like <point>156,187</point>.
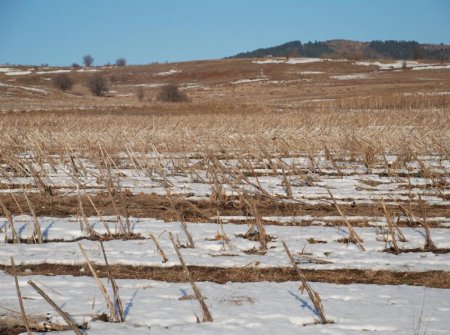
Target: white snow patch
<point>246,81</point>
<point>18,73</point>
<point>27,88</point>
<point>151,85</point>
<point>351,76</point>
<point>431,67</point>
<point>7,69</point>
<point>33,89</point>
<point>188,86</point>
<point>269,61</point>
<point>427,93</point>
<point>310,72</point>
<point>54,71</point>
<point>389,66</point>
<point>167,73</point>
<point>88,70</point>
<point>126,95</point>
<point>288,61</point>
<point>304,60</point>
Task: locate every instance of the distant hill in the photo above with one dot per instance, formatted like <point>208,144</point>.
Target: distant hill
<point>353,50</point>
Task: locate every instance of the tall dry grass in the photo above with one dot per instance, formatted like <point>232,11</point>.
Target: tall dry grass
<point>223,129</point>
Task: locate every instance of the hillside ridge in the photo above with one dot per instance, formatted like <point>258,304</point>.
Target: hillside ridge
<point>341,48</point>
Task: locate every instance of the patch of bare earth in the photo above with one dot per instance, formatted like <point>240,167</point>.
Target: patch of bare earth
<point>159,207</point>
<point>222,275</point>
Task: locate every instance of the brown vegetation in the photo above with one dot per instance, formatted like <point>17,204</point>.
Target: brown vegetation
<point>438,279</point>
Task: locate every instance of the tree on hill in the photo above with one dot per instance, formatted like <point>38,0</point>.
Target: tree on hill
<point>88,60</point>
<point>121,61</point>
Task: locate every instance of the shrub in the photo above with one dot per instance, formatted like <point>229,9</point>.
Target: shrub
<point>63,82</point>
<point>76,65</point>
<point>121,62</point>
<point>98,85</point>
<point>171,93</point>
<point>140,93</point>
<point>88,60</point>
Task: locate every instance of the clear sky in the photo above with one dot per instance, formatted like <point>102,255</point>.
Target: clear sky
<point>60,32</point>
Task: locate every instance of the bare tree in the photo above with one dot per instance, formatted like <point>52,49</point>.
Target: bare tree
<point>171,93</point>
<point>88,60</point>
<point>121,61</point>
<point>140,93</point>
<point>98,85</point>
<point>63,82</point>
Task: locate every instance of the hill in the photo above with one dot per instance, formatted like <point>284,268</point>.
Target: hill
<point>390,49</point>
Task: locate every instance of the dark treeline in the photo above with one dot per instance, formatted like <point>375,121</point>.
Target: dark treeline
<point>290,49</point>
<point>375,49</point>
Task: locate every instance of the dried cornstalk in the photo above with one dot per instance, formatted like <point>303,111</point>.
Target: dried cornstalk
<point>206,314</point>
<point>127,216</point>
<point>314,260</point>
<point>17,203</point>
<point>257,186</point>
<point>115,288</point>
<point>287,185</point>
<point>9,217</point>
<point>66,316</point>
<point>330,157</point>
<point>353,236</point>
<point>99,284</point>
<point>390,227</point>
<point>159,248</point>
<point>224,235</point>
<point>119,219</point>
<point>37,229</point>
<point>99,215</point>
<point>261,230</point>
<point>190,242</point>
<point>19,296</point>
<point>85,224</point>
<point>429,245</point>
<point>314,296</point>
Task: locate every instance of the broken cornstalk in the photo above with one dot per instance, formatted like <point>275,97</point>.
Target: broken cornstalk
<point>314,296</point>
<point>19,296</point>
<point>206,314</point>
<point>353,236</point>
<point>64,315</point>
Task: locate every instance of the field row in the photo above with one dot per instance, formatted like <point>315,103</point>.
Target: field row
<point>209,244</point>
<point>169,308</point>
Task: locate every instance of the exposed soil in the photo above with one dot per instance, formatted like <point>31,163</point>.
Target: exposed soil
<point>159,207</point>
<point>436,251</point>
<point>220,275</point>
<point>12,324</point>
<point>96,237</point>
<point>7,329</point>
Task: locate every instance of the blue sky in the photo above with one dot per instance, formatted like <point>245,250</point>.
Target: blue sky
<point>60,32</point>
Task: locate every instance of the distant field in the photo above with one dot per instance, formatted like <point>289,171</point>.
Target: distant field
<point>348,162</point>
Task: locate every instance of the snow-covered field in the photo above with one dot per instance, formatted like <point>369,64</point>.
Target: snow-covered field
<point>310,242</point>
<point>313,229</point>
<point>153,307</point>
<point>414,65</point>
<point>348,181</point>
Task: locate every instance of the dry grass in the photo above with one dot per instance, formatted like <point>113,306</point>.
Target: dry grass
<point>220,129</point>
